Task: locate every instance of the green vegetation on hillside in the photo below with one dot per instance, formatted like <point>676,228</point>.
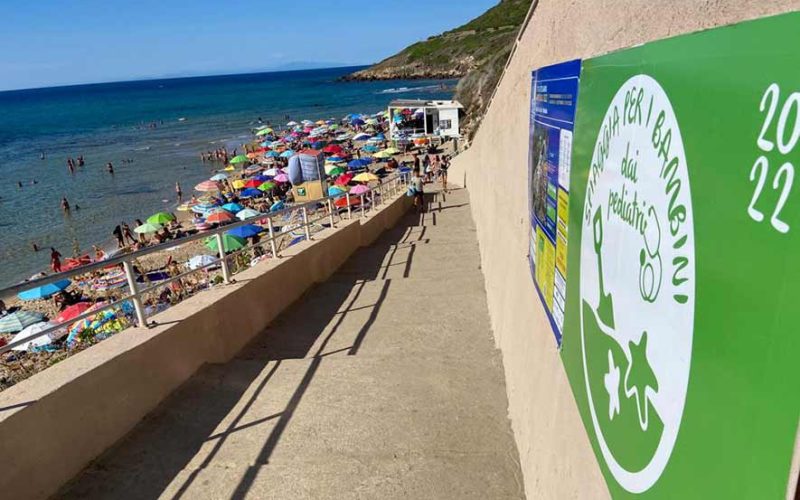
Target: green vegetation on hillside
<point>475,52</point>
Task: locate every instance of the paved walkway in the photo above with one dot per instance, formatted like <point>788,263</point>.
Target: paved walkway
<point>381,383</point>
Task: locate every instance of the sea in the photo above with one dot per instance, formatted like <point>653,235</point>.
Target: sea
<point>153,132</point>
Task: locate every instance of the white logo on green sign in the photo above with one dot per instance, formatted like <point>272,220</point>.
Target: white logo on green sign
<point>637,283</point>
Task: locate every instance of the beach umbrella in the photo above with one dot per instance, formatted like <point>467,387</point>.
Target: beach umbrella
<point>357,122</point>
<point>229,243</point>
<point>333,149</point>
<point>30,332</point>
<point>199,261</point>
<point>265,131</point>
<point>246,231</point>
<point>206,186</point>
<point>359,189</point>
<point>72,311</point>
<point>239,159</point>
<point>365,177</point>
<point>238,184</point>
<point>292,123</point>
<point>219,217</point>
<point>335,191</point>
<point>281,178</point>
<point>262,178</point>
<point>358,163</point>
<point>247,213</point>
<point>232,207</point>
<point>267,186</point>
<point>202,208</point>
<point>219,177</point>
<point>278,205</point>
<point>370,148</point>
<point>382,154</point>
<point>229,168</point>
<point>361,137</point>
<point>342,202</point>
<point>16,321</point>
<point>343,180</point>
<point>336,171</point>
<point>250,193</point>
<point>335,159</point>
<point>252,183</point>
<point>161,218</point>
<point>148,228</point>
<point>391,151</point>
<point>287,154</point>
<point>272,172</point>
<point>252,169</point>
<point>44,291</point>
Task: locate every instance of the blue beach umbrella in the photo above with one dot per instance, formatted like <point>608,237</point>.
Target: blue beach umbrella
<point>358,163</point>
<point>232,207</point>
<point>273,154</point>
<point>357,121</point>
<point>370,148</point>
<point>287,154</point>
<point>278,205</point>
<point>246,231</point>
<point>335,191</point>
<point>44,291</point>
<point>250,193</point>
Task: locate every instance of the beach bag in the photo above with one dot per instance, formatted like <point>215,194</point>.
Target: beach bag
<point>411,191</point>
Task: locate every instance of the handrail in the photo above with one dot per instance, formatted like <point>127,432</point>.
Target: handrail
<point>134,293</point>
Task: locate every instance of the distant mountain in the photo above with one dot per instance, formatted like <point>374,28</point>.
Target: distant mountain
<point>300,65</point>
<point>475,52</point>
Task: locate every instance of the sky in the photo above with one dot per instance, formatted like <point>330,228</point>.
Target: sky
<point>46,43</point>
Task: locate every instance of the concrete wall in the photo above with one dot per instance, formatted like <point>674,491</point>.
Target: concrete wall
<point>557,460</point>
<point>53,424</point>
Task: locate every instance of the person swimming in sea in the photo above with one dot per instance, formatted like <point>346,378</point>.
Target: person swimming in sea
<point>65,205</point>
<point>110,168</point>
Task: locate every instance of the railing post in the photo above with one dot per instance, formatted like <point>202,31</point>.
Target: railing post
<point>272,238</point>
<point>372,197</point>
<point>226,274</point>
<point>362,205</point>
<point>330,212</point>
<point>349,208</point>
<point>304,211</point>
<point>134,289</point>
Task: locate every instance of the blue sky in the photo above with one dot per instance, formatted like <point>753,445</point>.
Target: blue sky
<point>48,42</point>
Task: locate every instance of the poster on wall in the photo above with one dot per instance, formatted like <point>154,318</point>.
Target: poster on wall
<point>680,333</point>
<point>554,91</point>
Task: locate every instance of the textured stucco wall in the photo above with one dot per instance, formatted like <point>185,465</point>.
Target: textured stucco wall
<point>557,460</point>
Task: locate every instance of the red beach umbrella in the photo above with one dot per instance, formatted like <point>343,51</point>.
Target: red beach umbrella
<point>252,183</point>
<point>207,186</point>
<point>333,149</point>
<point>342,202</point>
<point>219,217</point>
<point>72,311</point>
<point>343,179</point>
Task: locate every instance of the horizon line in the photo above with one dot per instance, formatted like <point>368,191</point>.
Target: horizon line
<point>165,77</point>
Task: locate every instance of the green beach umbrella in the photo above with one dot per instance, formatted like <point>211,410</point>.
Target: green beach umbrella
<point>240,159</point>
<point>265,131</point>
<point>18,320</point>
<point>267,186</point>
<point>148,227</point>
<point>161,218</point>
<point>229,243</point>
<point>336,171</point>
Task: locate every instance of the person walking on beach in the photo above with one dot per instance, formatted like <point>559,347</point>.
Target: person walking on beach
<point>178,192</point>
<point>55,260</point>
<point>126,231</point>
<point>65,205</point>
<point>117,232</point>
<point>443,171</point>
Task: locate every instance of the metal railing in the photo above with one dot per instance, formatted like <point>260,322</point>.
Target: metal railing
<point>326,207</point>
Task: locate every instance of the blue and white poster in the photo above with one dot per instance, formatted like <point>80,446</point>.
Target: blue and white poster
<point>554,96</point>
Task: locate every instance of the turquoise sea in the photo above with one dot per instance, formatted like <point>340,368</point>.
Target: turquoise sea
<point>111,122</point>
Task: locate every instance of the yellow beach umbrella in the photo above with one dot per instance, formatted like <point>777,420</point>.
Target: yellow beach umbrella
<point>229,168</point>
<point>365,177</point>
<point>238,184</point>
<point>382,154</point>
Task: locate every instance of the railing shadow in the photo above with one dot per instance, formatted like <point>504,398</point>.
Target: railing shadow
<point>159,453</point>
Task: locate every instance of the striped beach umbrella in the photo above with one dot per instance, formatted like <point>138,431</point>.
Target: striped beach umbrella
<point>16,321</point>
<point>206,186</point>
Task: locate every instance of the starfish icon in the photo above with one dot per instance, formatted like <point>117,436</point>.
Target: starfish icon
<point>638,377</point>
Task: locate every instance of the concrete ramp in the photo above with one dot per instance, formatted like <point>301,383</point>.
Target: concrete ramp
<point>382,382</point>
